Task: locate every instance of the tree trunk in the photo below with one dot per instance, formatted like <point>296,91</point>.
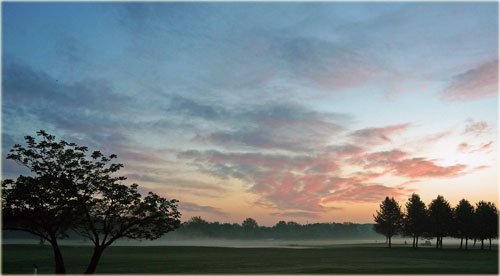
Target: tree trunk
<point>466,240</point>
<point>58,258</point>
<point>413,244</point>
<point>437,242</point>
<point>416,241</point>
<point>389,242</point>
<point>461,241</point>
<point>482,244</point>
<point>474,245</point>
<point>490,243</point>
<point>94,260</point>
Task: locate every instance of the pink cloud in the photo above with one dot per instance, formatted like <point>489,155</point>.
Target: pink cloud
<point>474,84</point>
<point>306,182</point>
<point>284,182</point>
<point>423,168</point>
<point>380,158</point>
<point>398,163</point>
<point>359,192</point>
<point>486,146</point>
<point>463,147</point>
<point>480,168</point>
<point>467,148</point>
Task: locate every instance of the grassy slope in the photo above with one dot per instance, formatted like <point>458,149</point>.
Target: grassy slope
<point>206,260</point>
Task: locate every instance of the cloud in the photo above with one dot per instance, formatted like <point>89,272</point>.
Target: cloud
<point>474,84</point>
<point>423,168</point>
<point>295,215</point>
<point>436,137</point>
<point>278,126</point>
<point>467,148</point>
<point>476,128</point>
<point>299,182</point>
<point>87,108</point>
<point>378,135</point>
<point>188,107</point>
<point>24,86</point>
<point>480,168</point>
<point>345,150</point>
<point>325,64</point>
<point>193,207</point>
<point>463,147</point>
<point>360,192</point>
<point>400,163</point>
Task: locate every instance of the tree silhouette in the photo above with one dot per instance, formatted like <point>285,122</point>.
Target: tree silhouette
<point>249,223</point>
<point>115,211</point>
<point>440,219</point>
<point>388,219</point>
<point>250,227</point>
<point>415,219</point>
<point>463,216</point>
<point>70,190</point>
<point>487,221</point>
<point>39,205</point>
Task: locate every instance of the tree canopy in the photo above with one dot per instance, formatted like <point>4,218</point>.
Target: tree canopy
<point>486,221</point>
<point>415,219</point>
<point>70,189</point>
<point>463,215</point>
<point>440,219</point>
<point>388,219</point>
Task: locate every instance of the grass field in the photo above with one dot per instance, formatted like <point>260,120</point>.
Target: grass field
<point>209,260</point>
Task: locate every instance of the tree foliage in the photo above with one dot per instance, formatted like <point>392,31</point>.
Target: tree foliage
<point>388,219</point>
<point>440,219</point>
<point>463,216</point>
<point>69,189</point>
<point>415,219</point>
<point>486,218</point>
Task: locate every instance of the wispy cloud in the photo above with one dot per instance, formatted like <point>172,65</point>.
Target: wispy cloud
<point>474,84</point>
<point>398,163</point>
<point>378,135</point>
<point>476,128</point>
<point>468,148</point>
<point>196,208</point>
<point>278,126</point>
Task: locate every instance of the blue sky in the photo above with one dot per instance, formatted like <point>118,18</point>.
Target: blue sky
<point>291,110</point>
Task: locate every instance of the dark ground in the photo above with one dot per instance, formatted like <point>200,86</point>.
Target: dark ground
<point>354,259</point>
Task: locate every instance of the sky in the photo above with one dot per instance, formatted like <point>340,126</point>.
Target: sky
<point>306,112</point>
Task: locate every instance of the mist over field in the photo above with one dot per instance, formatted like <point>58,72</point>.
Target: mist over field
<point>175,239</point>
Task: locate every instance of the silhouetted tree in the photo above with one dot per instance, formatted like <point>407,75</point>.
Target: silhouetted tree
<point>440,219</point>
<point>117,211</point>
<point>43,204</point>
<point>415,219</point>
<point>388,219</point>
<point>250,227</point>
<point>39,205</point>
<point>487,221</point>
<point>249,223</point>
<point>463,216</point>
<point>68,190</point>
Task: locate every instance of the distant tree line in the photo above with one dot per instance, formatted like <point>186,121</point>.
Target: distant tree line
<point>438,220</point>
<point>249,229</point>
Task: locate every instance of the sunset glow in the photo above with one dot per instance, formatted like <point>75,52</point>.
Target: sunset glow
<point>311,112</point>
